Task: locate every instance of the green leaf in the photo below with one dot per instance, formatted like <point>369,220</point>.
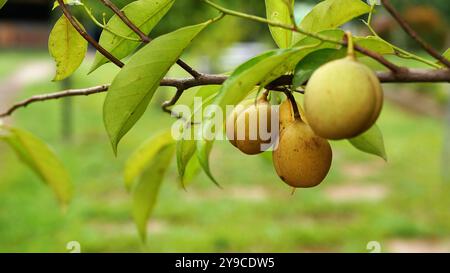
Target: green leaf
<point>278,11</point>
<point>331,14</point>
<point>67,2</point>
<point>41,160</point>
<point>306,67</point>
<point>335,34</point>
<point>2,3</point>
<point>447,54</point>
<point>240,84</point>
<point>67,47</point>
<point>135,85</point>
<point>138,161</point>
<point>185,152</point>
<point>146,191</point>
<point>374,44</point>
<point>188,166</point>
<point>145,14</point>
<point>370,142</point>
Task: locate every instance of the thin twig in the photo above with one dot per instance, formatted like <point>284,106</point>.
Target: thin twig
<point>86,36</point>
<point>144,38</point>
<point>173,101</point>
<point>57,95</point>
<point>411,32</point>
<point>317,36</point>
<point>405,76</point>
<point>401,52</point>
<point>126,20</point>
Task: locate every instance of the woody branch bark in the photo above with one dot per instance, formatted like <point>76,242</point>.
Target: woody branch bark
<point>406,76</point>
<point>144,38</point>
<point>86,36</point>
<point>413,34</point>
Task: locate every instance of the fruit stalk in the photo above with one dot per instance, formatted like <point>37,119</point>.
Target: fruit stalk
<point>350,45</point>
<point>291,98</point>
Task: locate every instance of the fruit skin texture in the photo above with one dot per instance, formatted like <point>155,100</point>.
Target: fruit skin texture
<point>302,159</point>
<point>286,114</point>
<point>343,99</point>
<point>250,144</point>
<point>231,120</point>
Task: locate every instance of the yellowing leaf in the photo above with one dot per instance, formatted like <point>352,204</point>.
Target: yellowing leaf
<point>188,165</point>
<point>67,47</point>
<point>138,162</point>
<point>2,3</point>
<point>41,160</point>
<point>145,14</point>
<point>135,85</point>
<point>331,14</point>
<point>146,190</point>
<point>278,11</point>
<point>370,142</point>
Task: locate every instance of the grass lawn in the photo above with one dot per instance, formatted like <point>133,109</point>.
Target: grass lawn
<point>363,199</point>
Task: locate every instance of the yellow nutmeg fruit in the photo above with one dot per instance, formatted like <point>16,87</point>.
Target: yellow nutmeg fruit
<point>286,114</point>
<point>231,120</point>
<point>253,128</point>
<point>343,99</point>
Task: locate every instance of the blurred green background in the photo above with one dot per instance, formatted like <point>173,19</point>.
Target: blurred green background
<point>403,204</point>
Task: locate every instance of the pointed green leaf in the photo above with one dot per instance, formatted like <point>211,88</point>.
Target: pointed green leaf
<point>374,44</point>
<point>330,14</point>
<point>314,60</point>
<point>67,47</point>
<point>41,160</point>
<point>278,11</point>
<point>2,3</point>
<point>447,54</point>
<point>187,165</point>
<point>139,160</point>
<point>146,190</point>
<point>145,14</point>
<point>135,85</point>
<point>185,152</point>
<point>370,142</point>
<point>335,34</point>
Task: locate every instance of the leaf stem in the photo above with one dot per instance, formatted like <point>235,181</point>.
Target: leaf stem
<point>293,27</point>
<point>105,27</point>
<point>350,45</point>
<point>405,54</point>
<point>393,67</point>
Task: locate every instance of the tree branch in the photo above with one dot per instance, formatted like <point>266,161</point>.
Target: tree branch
<point>408,29</point>
<point>86,36</point>
<point>126,20</point>
<point>57,95</point>
<point>404,76</point>
<point>144,38</point>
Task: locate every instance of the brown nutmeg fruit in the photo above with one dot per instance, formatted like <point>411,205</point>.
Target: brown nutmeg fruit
<point>302,159</point>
